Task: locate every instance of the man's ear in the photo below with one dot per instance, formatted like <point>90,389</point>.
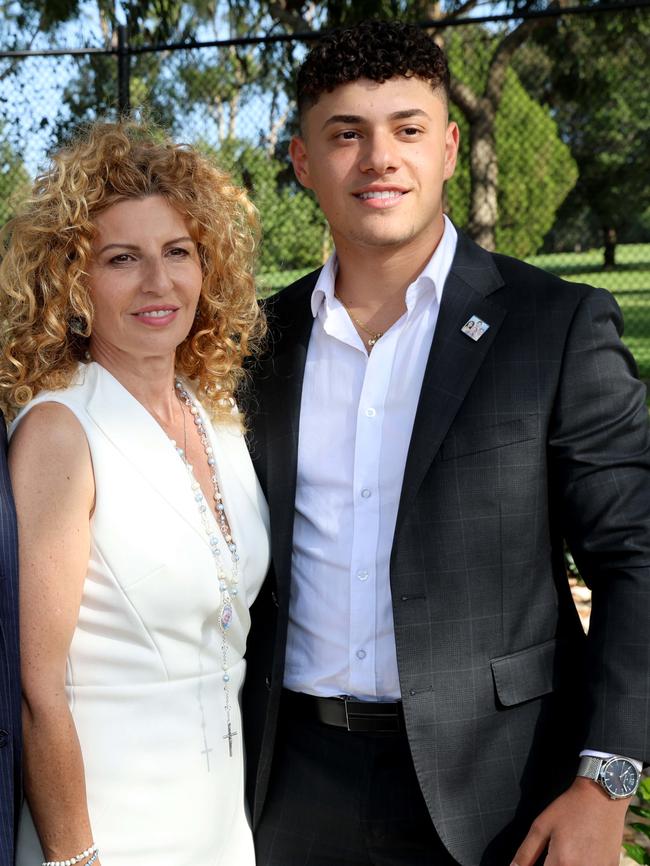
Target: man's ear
<point>298,154</point>
<point>452,139</point>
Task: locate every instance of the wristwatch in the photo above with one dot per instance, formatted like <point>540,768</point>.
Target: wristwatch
<point>616,775</point>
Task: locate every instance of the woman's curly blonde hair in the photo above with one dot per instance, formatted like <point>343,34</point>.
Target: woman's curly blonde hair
<point>46,253</point>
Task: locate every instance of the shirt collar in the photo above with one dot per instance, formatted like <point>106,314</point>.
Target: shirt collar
<point>433,275</point>
<point>324,288</point>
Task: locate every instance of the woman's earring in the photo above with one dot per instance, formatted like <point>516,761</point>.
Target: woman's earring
<point>78,325</point>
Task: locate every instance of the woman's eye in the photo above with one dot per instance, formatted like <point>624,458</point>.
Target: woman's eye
<point>121,259</point>
<point>178,252</point>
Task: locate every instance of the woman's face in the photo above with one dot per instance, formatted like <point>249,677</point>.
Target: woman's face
<point>145,280</point>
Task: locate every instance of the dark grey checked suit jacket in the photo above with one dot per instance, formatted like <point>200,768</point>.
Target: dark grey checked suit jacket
<point>10,791</point>
<point>536,432</point>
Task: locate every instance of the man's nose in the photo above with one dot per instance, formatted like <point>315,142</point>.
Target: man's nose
<point>380,154</point>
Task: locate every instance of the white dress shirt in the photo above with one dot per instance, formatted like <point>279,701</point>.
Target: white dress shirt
<point>356,419</point>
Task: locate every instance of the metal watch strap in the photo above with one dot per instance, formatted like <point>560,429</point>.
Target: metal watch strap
<point>590,767</point>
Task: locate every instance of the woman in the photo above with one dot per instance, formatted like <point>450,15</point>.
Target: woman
<point>129,304</point>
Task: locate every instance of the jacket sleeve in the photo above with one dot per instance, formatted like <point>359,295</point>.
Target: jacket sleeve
<point>599,458</point>
<point>10,705</point>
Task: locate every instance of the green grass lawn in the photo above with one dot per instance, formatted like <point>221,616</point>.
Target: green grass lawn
<point>629,281</point>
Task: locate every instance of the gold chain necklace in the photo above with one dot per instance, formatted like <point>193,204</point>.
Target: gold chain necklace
<point>373,335</point>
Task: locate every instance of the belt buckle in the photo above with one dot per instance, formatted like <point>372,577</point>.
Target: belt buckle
<point>347,717</point>
<point>370,722</point>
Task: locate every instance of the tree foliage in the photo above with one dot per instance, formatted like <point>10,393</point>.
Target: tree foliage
<point>14,179</point>
<point>593,78</point>
<point>536,170</point>
<point>511,159</point>
<point>294,229</point>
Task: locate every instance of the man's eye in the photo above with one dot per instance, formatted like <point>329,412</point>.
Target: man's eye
<point>411,131</point>
<point>348,135</point>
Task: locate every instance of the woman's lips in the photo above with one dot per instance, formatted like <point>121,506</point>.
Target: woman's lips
<point>156,317</point>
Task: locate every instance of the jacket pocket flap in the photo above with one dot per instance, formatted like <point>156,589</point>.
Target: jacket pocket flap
<point>527,674</point>
<point>487,438</point>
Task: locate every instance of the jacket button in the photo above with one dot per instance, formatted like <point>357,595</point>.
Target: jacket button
<point>275,599</point>
<point>267,682</point>
<point>4,738</point>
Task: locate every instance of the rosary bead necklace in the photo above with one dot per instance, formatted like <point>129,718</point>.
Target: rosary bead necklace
<point>228,583</point>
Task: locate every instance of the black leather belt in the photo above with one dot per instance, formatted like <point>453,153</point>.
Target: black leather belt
<point>357,716</point>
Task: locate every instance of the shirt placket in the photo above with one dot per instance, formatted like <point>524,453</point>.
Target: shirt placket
<point>366,513</point>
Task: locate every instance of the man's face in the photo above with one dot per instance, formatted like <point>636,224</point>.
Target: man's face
<point>377,155</point>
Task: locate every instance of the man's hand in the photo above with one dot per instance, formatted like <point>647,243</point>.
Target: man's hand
<point>583,827</point>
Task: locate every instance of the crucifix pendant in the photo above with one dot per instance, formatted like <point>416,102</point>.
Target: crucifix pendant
<point>206,752</point>
<point>229,737</point>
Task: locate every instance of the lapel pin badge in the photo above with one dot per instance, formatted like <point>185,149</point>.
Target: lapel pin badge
<point>475,328</point>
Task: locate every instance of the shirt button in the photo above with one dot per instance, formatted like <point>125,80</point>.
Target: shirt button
<point>362,575</point>
<point>361,654</point>
<point>366,493</point>
<point>371,412</point>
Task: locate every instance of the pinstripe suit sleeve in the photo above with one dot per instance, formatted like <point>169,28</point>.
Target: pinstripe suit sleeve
<point>10,726</point>
<point>599,449</point>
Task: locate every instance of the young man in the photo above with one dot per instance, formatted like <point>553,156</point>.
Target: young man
<point>431,422</point>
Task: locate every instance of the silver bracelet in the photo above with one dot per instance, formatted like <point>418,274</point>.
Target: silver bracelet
<point>93,849</point>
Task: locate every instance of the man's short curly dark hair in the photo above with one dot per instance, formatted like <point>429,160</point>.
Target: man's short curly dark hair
<point>377,50</point>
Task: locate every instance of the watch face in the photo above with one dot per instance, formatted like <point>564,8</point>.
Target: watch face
<point>620,777</point>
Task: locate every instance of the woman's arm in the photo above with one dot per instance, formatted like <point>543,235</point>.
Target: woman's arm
<point>52,477</point>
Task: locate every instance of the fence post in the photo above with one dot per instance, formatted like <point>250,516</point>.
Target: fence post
<point>123,69</point>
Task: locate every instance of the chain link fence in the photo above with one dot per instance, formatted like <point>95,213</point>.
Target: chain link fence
<point>567,187</point>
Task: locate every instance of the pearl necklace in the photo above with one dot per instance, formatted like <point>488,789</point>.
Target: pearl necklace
<point>228,583</point>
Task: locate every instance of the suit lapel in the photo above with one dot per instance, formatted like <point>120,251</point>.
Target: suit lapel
<point>280,385</point>
<point>454,359</point>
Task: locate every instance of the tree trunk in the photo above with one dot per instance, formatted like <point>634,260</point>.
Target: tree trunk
<point>484,174</point>
<point>233,106</point>
<point>277,126</point>
<point>480,112</point>
<point>609,242</point>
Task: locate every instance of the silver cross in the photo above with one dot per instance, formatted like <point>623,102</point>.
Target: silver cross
<point>206,752</point>
<point>229,737</point>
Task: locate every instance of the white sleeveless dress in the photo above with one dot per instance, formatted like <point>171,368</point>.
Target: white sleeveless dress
<point>144,673</point>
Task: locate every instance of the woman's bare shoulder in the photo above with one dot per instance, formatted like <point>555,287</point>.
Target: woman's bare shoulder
<point>49,424</point>
<point>49,449</point>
